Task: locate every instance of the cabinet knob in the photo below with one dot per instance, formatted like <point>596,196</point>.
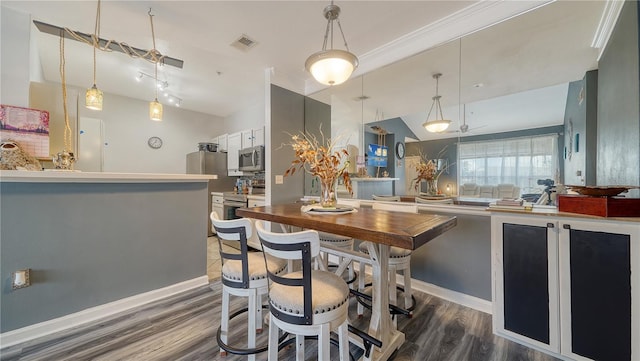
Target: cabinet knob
<point>566,226</point>
<point>550,225</point>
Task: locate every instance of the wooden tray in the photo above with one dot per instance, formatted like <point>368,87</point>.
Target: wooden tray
<point>599,206</point>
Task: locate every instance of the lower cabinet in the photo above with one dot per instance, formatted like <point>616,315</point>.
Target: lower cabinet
<point>567,286</point>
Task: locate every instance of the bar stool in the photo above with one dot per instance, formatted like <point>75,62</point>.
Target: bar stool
<point>399,260</point>
<point>307,302</point>
<point>244,274</point>
<point>342,242</point>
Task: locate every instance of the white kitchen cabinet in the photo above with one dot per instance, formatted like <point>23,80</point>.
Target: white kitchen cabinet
<point>567,286</point>
<point>252,137</point>
<point>222,143</point>
<point>217,206</point>
<point>234,144</point>
<point>255,201</point>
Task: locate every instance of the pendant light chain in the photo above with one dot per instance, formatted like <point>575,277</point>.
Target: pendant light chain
<point>153,53</point>
<point>96,40</point>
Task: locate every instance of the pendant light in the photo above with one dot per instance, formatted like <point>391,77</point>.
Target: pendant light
<point>333,66</point>
<point>93,97</point>
<point>155,108</point>
<point>441,124</point>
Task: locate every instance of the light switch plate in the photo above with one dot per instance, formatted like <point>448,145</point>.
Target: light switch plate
<point>279,179</point>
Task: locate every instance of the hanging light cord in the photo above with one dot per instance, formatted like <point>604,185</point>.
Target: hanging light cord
<point>95,38</point>
<point>154,52</point>
<point>67,127</point>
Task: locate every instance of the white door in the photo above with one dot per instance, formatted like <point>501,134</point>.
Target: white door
<point>410,174</point>
<point>90,155</point>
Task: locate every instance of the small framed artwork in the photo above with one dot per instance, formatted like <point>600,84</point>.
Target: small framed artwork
<point>28,127</point>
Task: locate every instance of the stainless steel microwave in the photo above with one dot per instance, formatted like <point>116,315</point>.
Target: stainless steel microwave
<point>251,159</point>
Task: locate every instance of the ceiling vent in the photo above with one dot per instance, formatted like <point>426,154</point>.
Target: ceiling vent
<point>244,43</point>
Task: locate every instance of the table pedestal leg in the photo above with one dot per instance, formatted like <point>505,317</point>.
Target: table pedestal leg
<point>381,326</point>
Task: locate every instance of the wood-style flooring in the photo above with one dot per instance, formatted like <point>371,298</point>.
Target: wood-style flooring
<point>183,327</point>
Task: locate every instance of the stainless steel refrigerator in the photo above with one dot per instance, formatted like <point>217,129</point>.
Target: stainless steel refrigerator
<point>211,163</point>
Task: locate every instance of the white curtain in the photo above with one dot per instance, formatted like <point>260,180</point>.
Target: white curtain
<point>519,161</point>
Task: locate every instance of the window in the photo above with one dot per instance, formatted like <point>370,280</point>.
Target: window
<point>519,161</point>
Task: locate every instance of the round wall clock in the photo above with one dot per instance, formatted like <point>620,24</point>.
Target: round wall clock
<point>155,142</point>
<point>400,150</point>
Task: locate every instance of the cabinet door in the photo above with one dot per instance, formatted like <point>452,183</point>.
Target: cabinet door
<point>222,143</point>
<point>247,138</point>
<point>525,280</point>
<point>234,144</point>
<point>599,264</point>
<point>256,203</point>
<point>258,136</point>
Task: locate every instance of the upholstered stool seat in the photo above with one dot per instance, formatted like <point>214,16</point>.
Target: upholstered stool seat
<point>329,293</point>
<point>232,269</point>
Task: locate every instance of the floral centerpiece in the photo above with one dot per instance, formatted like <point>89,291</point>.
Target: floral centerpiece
<point>320,159</point>
<point>429,170</point>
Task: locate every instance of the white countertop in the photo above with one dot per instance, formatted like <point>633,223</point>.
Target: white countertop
<point>99,177</point>
<point>255,196</point>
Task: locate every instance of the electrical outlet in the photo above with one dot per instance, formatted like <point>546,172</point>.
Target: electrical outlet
<point>21,278</point>
<point>279,179</point>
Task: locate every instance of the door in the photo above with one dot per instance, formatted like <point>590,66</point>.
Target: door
<point>526,280</point>
<point>90,157</point>
<point>596,290</point>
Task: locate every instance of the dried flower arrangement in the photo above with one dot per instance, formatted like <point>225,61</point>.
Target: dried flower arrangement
<point>318,158</point>
<point>428,170</point>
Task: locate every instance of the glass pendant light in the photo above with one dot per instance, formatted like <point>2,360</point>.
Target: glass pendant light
<point>93,97</point>
<point>333,66</point>
<point>436,125</point>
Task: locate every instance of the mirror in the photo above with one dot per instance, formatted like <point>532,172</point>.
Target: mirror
<point>513,76</point>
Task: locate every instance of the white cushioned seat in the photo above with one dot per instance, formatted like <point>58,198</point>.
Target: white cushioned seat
<point>232,269</point>
<point>329,292</point>
<point>394,252</point>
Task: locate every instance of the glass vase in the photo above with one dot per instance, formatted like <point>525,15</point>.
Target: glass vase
<point>432,187</point>
<point>328,193</point>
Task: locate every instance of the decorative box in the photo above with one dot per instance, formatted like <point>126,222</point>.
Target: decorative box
<point>599,206</point>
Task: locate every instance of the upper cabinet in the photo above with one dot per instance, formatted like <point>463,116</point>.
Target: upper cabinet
<point>222,142</point>
<point>252,137</point>
<point>234,144</point>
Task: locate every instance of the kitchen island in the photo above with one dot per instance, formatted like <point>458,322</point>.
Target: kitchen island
<point>96,243</point>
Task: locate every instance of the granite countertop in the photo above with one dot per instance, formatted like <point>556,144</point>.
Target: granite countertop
<point>60,176</point>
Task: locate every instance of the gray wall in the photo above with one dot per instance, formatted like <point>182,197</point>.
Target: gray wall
<point>287,118</point>
<point>90,244</point>
<point>619,104</point>
<point>398,131</point>
<point>581,120</point>
<point>317,115</point>
<point>458,260</point>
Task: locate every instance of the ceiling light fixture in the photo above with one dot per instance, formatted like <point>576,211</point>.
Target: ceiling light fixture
<point>94,96</point>
<point>333,66</point>
<point>155,108</point>
<point>173,99</point>
<point>436,125</point>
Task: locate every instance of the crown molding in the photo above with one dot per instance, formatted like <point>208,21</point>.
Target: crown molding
<point>607,23</point>
<point>475,17</point>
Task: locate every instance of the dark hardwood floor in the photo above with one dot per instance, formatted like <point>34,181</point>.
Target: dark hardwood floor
<point>183,327</point>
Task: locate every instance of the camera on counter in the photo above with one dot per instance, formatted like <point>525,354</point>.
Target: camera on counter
<point>546,182</point>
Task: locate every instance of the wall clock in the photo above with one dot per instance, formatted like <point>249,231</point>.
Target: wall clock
<point>400,150</point>
<point>155,142</point>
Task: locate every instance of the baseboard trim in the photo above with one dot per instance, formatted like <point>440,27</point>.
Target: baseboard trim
<point>445,293</point>
<point>45,328</point>
<point>453,296</point>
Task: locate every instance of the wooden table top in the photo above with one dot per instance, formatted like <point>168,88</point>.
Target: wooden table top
<point>405,230</point>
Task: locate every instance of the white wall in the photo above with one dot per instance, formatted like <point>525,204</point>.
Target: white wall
<point>251,116</point>
<point>127,128</point>
<point>15,35</point>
